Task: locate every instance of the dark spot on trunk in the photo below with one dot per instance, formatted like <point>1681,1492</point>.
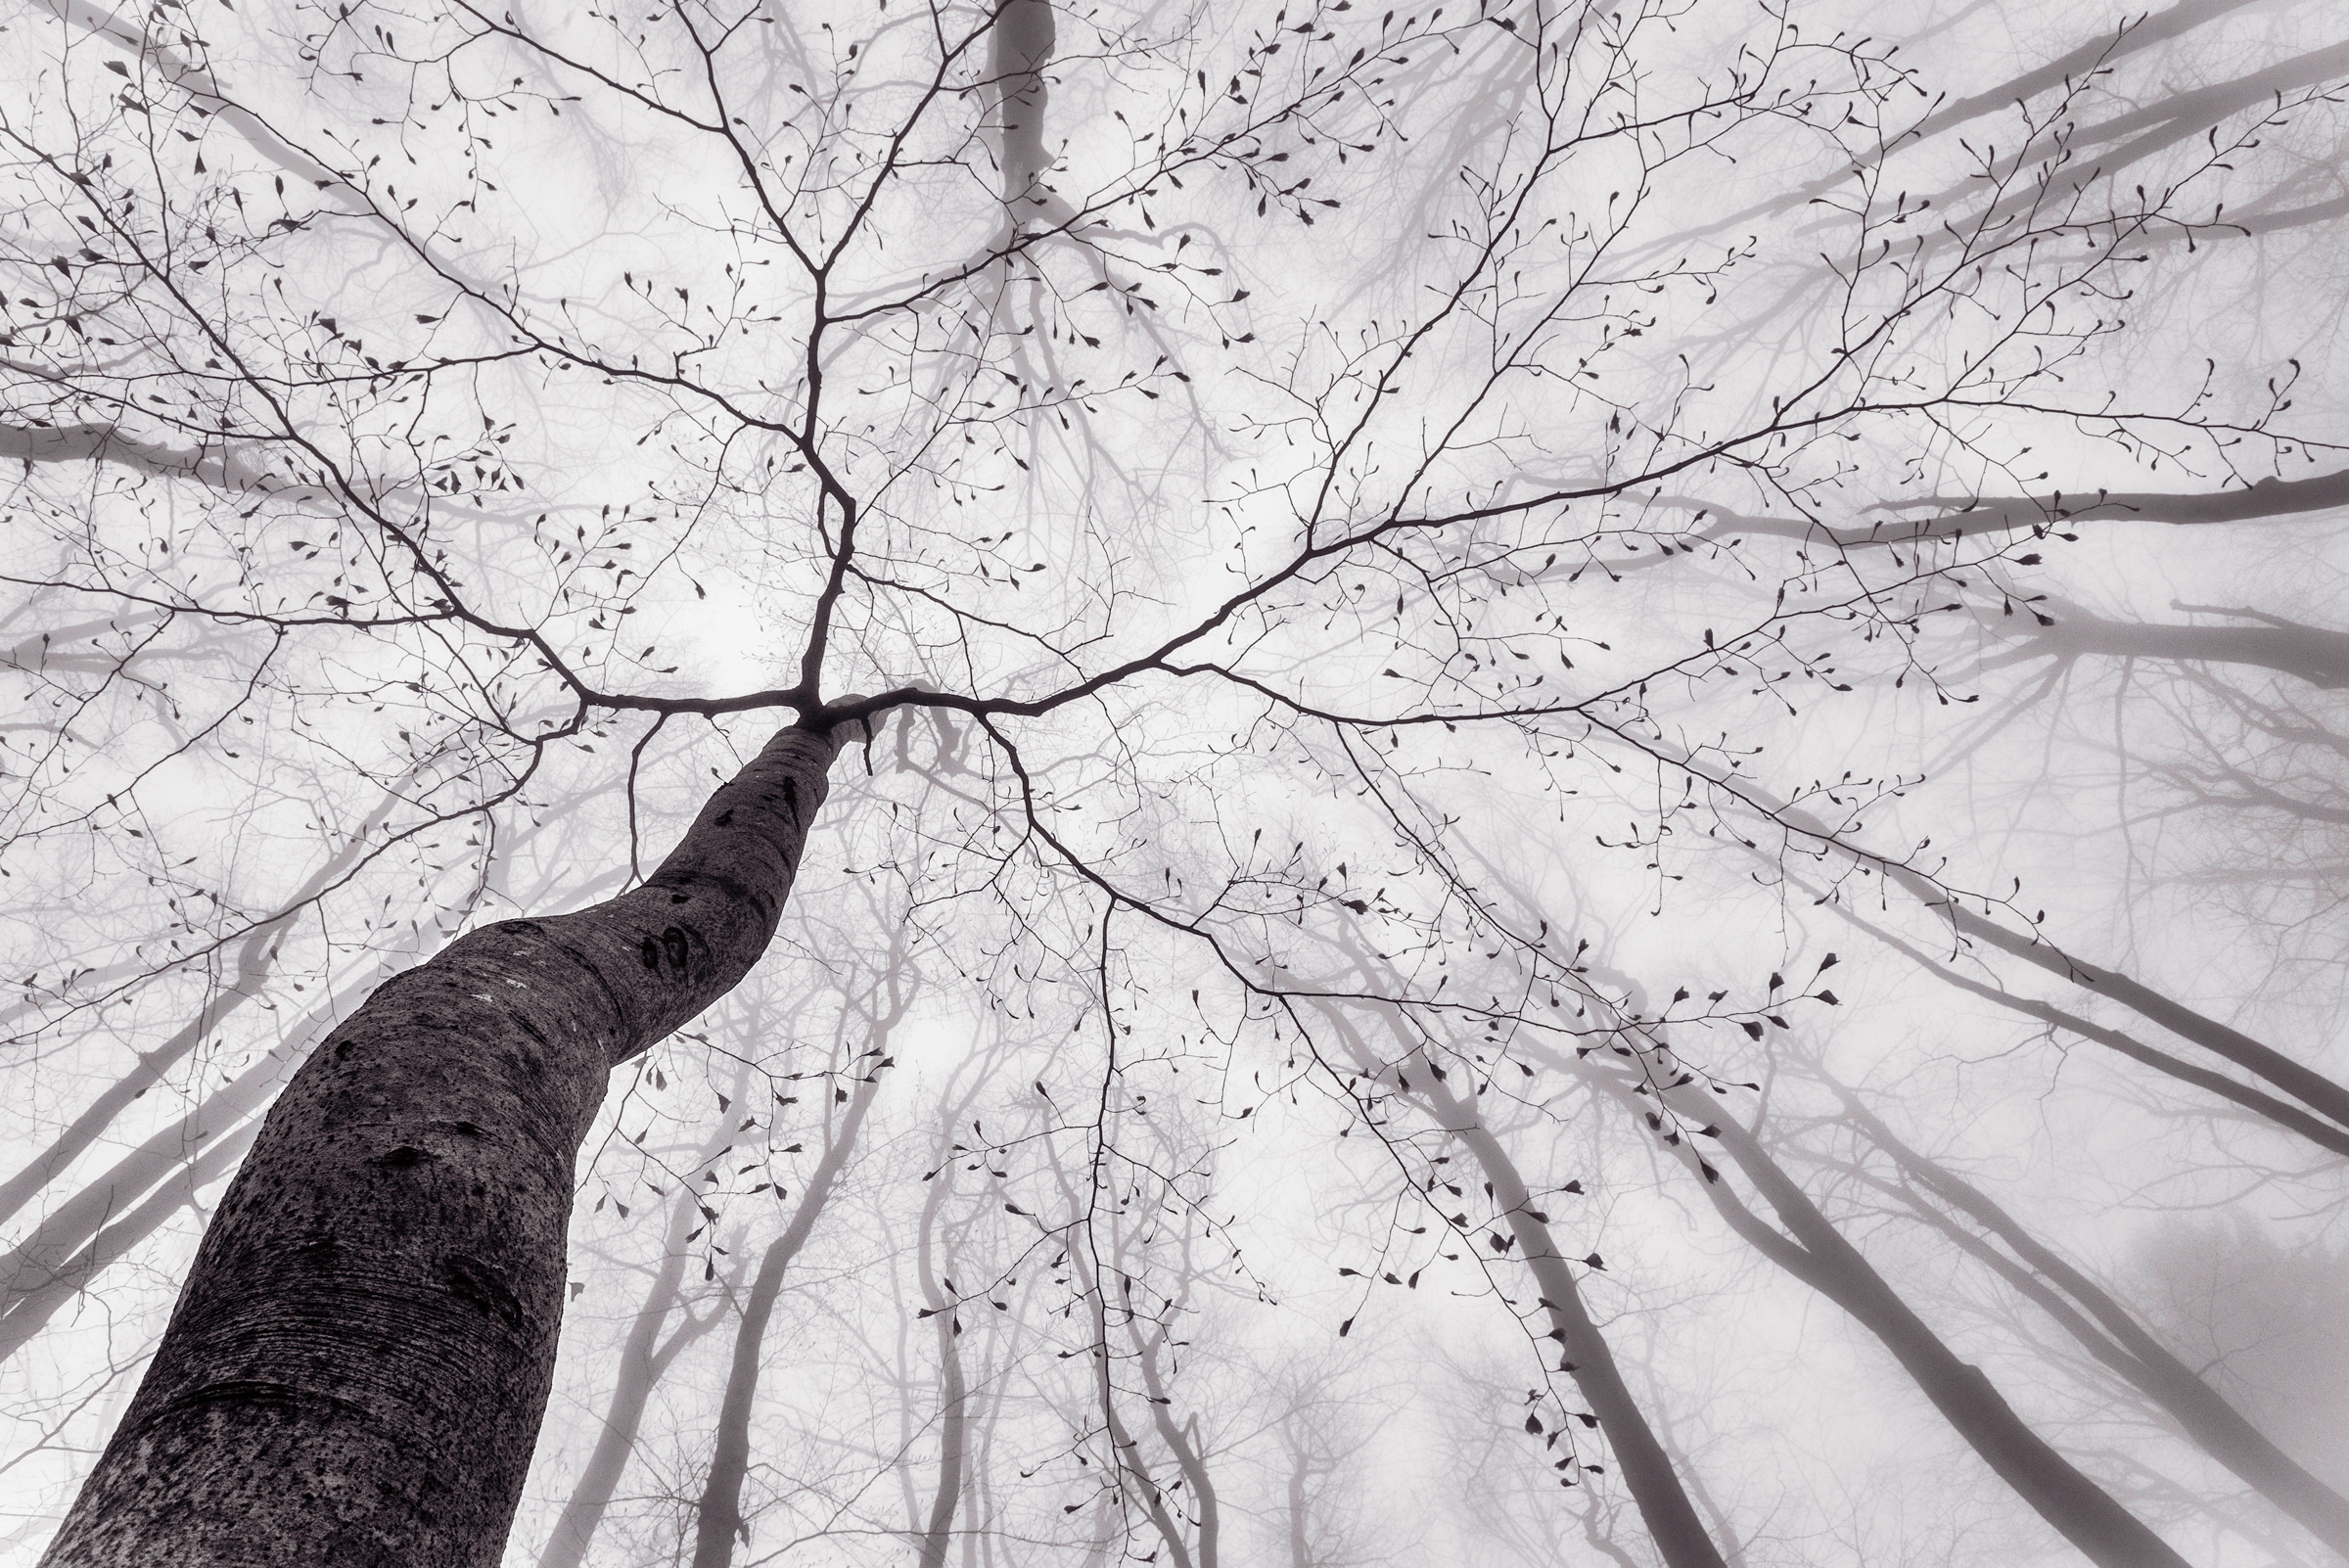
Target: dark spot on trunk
<point>650,952</point>
<point>680,897</point>
<point>468,1128</point>
<point>725,818</point>
<point>401,1158</point>
<point>791,798</point>
<point>476,1283</point>
<point>674,944</point>
<point>354,1551</point>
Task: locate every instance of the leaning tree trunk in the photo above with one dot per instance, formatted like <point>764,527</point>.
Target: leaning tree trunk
<point>359,1359</point>
<point>720,1519</point>
<point>1672,1520</point>
<point>1815,1252</point>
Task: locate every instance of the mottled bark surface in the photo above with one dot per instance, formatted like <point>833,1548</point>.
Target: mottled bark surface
<point>356,1369</point>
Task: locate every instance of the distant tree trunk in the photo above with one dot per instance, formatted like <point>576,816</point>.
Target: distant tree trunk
<point>33,1264</point>
<point>31,1312</point>
<point>1671,1519</point>
<point>953,1416</point>
<point>719,1520</point>
<point>1817,1253</point>
<point>2201,1412</point>
<point>361,1355</point>
<point>1301,1552</point>
<point>2324,1134</point>
<point>2304,1083</point>
<point>1185,1445</point>
<point>643,1358</point>
<point>255,958</point>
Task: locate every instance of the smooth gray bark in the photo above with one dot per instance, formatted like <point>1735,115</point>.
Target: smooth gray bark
<point>2304,1083</point>
<point>1181,1443</point>
<point>1664,1507</point>
<point>361,1355</point>
<point>1671,1517</point>
<point>954,1414</point>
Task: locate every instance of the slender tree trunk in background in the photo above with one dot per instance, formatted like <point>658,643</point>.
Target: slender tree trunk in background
<point>256,955</point>
<point>718,1521</point>
<point>357,1366</point>
<point>955,1418</point>
<point>643,1358</point>
<point>1671,1519</point>
<point>1184,1446</point>
<point>1125,1452</point>
<point>2201,1412</point>
<point>1817,1254</point>
<point>2304,1083</point>
<point>30,1313</point>
<point>34,1262</point>
<point>2282,1113</point>
<point>1301,1555</point>
<point>642,1361</point>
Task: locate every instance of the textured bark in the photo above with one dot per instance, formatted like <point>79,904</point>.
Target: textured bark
<point>1815,1252</point>
<point>719,1521</point>
<point>361,1355</point>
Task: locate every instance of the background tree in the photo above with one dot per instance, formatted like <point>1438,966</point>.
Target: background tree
<point>1185,527</point>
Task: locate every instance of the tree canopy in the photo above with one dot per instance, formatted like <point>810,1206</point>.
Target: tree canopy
<point>1550,780</point>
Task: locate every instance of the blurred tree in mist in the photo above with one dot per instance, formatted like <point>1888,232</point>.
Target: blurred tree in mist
<point>1558,781</point>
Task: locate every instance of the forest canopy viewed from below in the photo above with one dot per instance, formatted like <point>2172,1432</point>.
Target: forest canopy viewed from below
<point>1545,783</point>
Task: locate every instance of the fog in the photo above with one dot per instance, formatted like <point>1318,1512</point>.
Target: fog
<point>1525,784</point>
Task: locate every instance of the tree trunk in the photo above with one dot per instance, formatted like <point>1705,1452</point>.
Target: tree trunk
<point>1817,1254</point>
<point>29,1266</point>
<point>643,1358</point>
<point>256,957</point>
<point>954,1415</point>
<point>2201,1412</point>
<point>1672,1520</point>
<point>30,1313</point>
<point>720,1519</point>
<point>1184,1446</point>
<point>361,1355</point>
